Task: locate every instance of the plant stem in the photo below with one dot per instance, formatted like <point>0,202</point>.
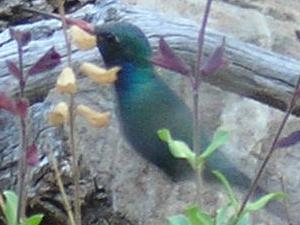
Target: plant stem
<point>36,11</point>
<point>22,187</point>
<point>270,152</point>
<point>75,166</point>
<point>66,201</point>
<point>199,184</point>
<point>22,168</point>
<point>22,78</point>
<point>196,76</point>
<point>64,26</point>
<point>201,37</point>
<point>196,137</point>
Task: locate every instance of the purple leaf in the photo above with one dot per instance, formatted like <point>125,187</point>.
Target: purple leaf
<point>47,62</point>
<point>297,93</point>
<point>7,103</point>
<point>298,34</point>
<point>215,61</point>
<point>167,59</point>
<point>290,140</point>
<point>32,155</point>
<point>22,106</point>
<point>22,37</point>
<point>13,69</point>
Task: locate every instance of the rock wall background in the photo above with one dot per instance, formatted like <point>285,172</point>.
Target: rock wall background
<point>140,191</point>
<point>267,23</point>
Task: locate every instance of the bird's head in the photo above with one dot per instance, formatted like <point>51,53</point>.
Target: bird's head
<point>122,43</point>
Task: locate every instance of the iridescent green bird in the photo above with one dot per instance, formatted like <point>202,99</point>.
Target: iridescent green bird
<point>147,104</point>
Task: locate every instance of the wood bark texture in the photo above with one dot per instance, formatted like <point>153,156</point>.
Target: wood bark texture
<point>252,71</point>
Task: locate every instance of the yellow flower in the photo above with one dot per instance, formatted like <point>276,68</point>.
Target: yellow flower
<point>82,39</point>
<point>66,81</point>
<point>95,118</point>
<point>59,115</point>
<point>98,74</point>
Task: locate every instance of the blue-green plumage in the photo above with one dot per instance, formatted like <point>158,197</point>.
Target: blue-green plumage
<point>147,104</point>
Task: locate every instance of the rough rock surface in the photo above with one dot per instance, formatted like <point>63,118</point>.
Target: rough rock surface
<point>11,15</point>
<point>268,23</point>
<point>138,189</point>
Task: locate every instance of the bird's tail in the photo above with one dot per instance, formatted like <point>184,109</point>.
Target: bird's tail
<point>218,161</point>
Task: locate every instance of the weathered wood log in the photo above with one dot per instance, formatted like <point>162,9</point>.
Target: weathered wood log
<point>253,72</point>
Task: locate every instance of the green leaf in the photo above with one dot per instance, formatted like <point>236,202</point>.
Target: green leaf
<point>178,220</point>
<point>33,220</point>
<point>219,139</point>
<point>244,220</point>
<point>178,149</point>
<point>261,203</point>
<point>11,207</point>
<point>232,197</point>
<point>199,161</point>
<point>197,217</point>
<point>224,213</point>
<point>164,135</point>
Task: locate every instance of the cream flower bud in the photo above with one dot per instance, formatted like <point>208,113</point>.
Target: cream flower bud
<point>66,81</point>
<point>98,74</point>
<point>95,118</point>
<point>59,115</point>
<point>82,39</point>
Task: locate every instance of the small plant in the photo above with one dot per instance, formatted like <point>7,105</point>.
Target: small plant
<point>81,34</point>
<point>9,207</point>
<point>233,212</point>
<point>168,59</point>
<point>227,214</point>
<point>19,107</point>
<point>65,113</point>
<point>181,150</point>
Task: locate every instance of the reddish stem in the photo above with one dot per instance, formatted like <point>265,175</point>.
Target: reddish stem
<point>270,152</point>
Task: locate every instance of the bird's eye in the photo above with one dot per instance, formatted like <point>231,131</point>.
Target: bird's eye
<point>111,38</point>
